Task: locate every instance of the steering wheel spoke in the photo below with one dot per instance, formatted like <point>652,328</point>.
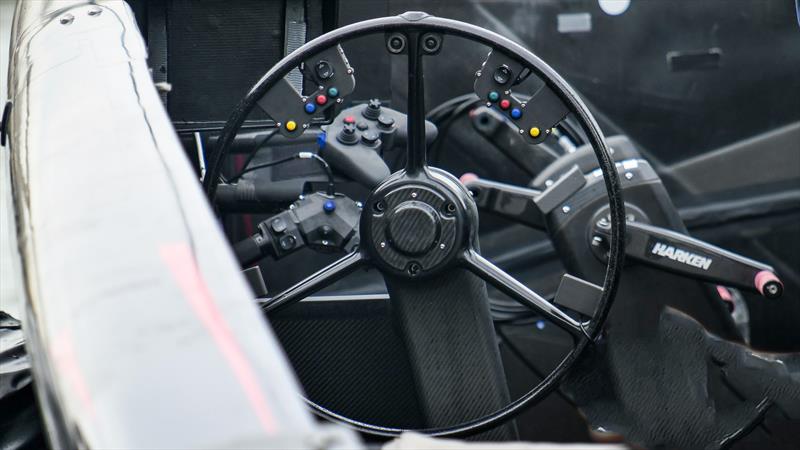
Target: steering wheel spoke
<point>510,286</point>
<point>315,282</point>
<point>419,223</point>
<point>417,152</point>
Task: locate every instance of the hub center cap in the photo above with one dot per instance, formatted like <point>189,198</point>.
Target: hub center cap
<point>413,227</point>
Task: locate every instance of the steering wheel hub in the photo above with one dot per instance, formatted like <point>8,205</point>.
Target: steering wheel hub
<point>413,227</point>
<point>416,225</point>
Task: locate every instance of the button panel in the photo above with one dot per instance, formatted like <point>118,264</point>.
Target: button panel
<point>494,82</point>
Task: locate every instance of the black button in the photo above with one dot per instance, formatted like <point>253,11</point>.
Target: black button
<point>373,109</point>
<point>278,225</point>
<point>502,74</point>
<point>385,121</point>
<point>288,242</point>
<point>369,137</point>
<point>348,134</point>
<point>324,70</point>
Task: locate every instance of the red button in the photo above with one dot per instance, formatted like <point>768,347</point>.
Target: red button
<point>505,104</point>
<point>349,119</point>
<point>321,99</point>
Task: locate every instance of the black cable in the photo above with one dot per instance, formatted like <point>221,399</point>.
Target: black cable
<point>250,157</point>
<point>216,161</point>
<point>447,123</point>
<point>327,168</point>
<point>331,190</point>
<point>262,166</point>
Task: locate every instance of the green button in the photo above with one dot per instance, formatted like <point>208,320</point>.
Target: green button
<point>494,96</point>
<point>333,92</point>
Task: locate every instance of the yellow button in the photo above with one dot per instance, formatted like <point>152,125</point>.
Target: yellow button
<point>534,132</point>
<point>292,125</point>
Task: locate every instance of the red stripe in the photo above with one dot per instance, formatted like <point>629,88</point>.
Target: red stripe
<point>181,261</point>
<point>67,364</point>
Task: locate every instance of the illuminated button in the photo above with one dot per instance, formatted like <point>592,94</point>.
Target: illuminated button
<point>321,99</point>
<point>494,96</point>
<point>333,92</point>
<point>505,104</point>
<point>516,113</point>
<point>534,132</point>
<point>291,125</point>
<point>329,206</point>
<point>310,108</point>
<point>349,119</point>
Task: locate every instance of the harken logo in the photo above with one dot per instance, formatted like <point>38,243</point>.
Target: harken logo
<point>681,256</point>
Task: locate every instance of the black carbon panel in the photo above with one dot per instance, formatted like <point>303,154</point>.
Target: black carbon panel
<point>350,360</point>
<point>451,343</point>
<point>681,387</point>
<point>217,51</point>
<point>380,226</point>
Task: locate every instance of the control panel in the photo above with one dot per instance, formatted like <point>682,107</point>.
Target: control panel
<point>292,112</point>
<point>354,142</point>
<point>320,221</point>
<point>533,118</point>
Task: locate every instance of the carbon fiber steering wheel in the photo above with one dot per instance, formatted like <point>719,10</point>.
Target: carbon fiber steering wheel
<point>419,227</point>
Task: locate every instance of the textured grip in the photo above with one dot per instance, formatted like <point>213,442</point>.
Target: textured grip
<point>247,251</point>
<point>450,338</point>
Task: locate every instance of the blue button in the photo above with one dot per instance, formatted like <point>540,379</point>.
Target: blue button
<point>516,113</point>
<point>322,140</point>
<point>329,206</point>
<point>310,108</point>
<point>540,324</point>
<point>333,92</point>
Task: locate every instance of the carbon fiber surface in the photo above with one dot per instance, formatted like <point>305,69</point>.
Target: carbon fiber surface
<point>350,360</point>
<point>216,51</point>
<point>681,387</point>
<point>451,343</point>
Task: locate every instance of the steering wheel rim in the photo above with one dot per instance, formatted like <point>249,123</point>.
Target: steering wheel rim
<point>418,23</point>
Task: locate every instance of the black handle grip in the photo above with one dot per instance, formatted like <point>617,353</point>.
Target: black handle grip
<point>694,258</point>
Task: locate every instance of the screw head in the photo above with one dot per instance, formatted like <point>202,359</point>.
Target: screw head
<point>414,269</point>
<point>628,175</point>
<point>94,12</point>
<point>442,246</point>
<point>67,19</point>
<point>565,209</point>
<point>413,195</point>
<point>383,244</point>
